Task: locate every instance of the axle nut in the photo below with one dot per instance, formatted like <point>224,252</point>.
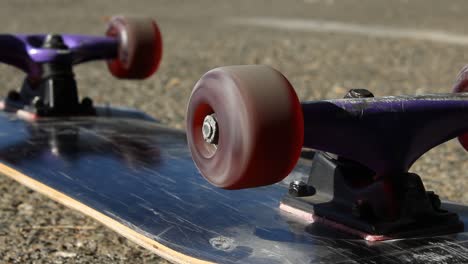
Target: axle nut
<point>210,129</point>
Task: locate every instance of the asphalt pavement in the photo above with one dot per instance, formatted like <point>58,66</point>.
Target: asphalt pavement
<point>324,47</point>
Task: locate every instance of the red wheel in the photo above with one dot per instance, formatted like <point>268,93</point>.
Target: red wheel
<point>140,47</point>
<point>244,126</point>
<point>461,86</point>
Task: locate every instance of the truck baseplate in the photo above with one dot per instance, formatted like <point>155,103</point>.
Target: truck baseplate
<point>344,195</point>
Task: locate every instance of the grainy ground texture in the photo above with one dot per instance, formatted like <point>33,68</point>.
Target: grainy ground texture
<point>323,46</point>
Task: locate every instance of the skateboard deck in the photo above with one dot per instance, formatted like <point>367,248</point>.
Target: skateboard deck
<point>137,177</point>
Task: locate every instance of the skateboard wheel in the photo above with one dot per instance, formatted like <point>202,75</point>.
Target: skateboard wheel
<point>245,126</point>
<point>140,47</point>
<point>461,86</point>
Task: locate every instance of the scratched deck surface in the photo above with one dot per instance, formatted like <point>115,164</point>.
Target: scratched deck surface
<point>141,175</point>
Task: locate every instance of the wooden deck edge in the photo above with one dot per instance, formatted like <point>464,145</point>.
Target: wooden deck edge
<point>138,238</point>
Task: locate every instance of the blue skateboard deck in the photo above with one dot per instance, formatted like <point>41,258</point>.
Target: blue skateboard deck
<point>137,177</point>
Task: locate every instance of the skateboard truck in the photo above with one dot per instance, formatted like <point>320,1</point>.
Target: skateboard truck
<point>349,196</point>
<point>55,92</point>
<point>132,48</point>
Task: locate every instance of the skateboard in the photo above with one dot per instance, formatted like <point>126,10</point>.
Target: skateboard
<point>258,177</point>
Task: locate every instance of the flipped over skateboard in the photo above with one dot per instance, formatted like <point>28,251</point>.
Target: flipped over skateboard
<point>316,182</point>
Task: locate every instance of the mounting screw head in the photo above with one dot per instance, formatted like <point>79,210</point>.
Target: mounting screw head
<point>87,102</point>
<point>13,95</point>
<point>210,129</point>
<point>298,189</point>
<point>359,93</point>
